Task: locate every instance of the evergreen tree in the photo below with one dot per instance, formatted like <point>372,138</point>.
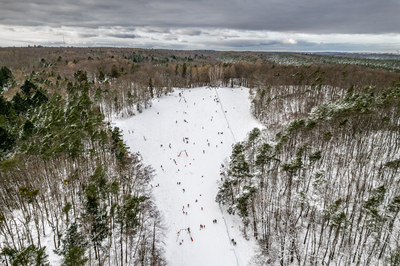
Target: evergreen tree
<point>101,74</point>
<point>73,247</point>
<point>31,256</point>
<point>238,167</point>
<point>96,217</point>
<point>28,88</point>
<point>184,69</point>
<point>6,140</point>
<point>28,127</point>
<point>5,75</point>
<point>75,256</point>
<point>19,104</point>
<point>38,98</point>
<point>4,105</point>
<point>114,72</point>
<point>151,88</point>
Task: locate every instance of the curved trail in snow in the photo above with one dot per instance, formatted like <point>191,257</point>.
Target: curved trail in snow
<point>195,123</point>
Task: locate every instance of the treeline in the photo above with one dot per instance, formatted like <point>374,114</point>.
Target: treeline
<point>323,187</point>
<point>69,185</point>
<point>54,68</point>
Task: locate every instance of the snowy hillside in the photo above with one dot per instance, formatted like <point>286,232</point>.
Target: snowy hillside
<point>186,136</point>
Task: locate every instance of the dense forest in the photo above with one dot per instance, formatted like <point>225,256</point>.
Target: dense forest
<point>318,185</point>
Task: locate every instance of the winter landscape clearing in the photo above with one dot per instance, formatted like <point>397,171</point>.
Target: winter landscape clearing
<point>187,136</point>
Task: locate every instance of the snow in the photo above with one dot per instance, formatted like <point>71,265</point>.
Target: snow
<point>217,116</point>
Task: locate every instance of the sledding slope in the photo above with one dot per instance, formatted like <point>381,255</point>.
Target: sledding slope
<point>215,118</point>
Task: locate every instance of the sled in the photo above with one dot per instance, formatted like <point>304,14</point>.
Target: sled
<point>185,152</point>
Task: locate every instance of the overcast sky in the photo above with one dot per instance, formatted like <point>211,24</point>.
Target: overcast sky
<point>253,25</point>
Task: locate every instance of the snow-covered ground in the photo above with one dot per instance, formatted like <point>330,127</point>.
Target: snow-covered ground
<point>196,131</point>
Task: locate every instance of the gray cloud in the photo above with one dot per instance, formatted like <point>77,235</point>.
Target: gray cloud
<point>189,32</point>
<point>170,38</point>
<point>156,30</point>
<point>205,24</point>
<point>124,35</point>
<point>303,16</point>
<point>87,35</point>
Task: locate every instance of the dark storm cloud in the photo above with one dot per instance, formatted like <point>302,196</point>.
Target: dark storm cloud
<point>301,16</point>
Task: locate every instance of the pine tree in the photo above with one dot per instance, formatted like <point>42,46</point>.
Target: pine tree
<point>6,140</point>
<point>19,104</point>
<point>31,256</point>
<point>38,98</point>
<point>151,88</point>
<point>75,256</point>
<point>184,69</point>
<point>28,88</point>
<point>5,76</point>
<point>114,72</point>
<point>28,128</point>
<point>101,74</point>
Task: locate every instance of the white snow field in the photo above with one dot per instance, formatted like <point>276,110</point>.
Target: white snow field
<point>201,119</point>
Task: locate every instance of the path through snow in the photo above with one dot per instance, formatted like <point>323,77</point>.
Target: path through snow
<point>186,136</point>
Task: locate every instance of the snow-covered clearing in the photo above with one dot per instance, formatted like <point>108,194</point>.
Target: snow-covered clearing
<point>196,131</point>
